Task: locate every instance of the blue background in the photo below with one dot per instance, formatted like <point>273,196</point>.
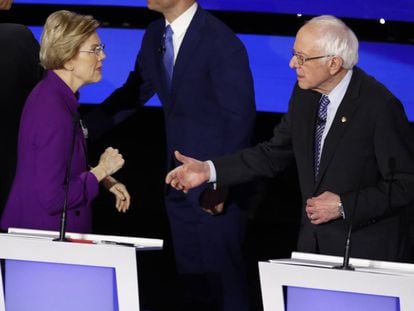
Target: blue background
<point>392,64</point>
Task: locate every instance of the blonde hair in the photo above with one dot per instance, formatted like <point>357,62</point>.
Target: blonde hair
<point>63,34</point>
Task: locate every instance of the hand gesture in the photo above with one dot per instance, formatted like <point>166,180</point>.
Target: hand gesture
<point>190,174</point>
<point>122,197</point>
<point>109,163</point>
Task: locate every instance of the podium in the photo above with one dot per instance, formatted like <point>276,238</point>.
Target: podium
<point>309,282</point>
<point>94,272</point>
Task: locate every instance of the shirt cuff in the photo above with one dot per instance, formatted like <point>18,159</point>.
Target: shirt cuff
<point>213,174</point>
<point>341,210</point>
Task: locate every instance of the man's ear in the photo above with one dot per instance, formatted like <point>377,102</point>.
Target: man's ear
<point>335,64</point>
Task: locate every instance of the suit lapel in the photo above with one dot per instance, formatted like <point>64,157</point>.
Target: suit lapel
<point>309,122</point>
<point>188,48</point>
<point>341,122</point>
<point>158,74</point>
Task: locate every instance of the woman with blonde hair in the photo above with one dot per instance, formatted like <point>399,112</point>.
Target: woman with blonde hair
<point>52,169</point>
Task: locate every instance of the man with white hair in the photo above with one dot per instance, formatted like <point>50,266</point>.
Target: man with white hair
<point>352,144</point>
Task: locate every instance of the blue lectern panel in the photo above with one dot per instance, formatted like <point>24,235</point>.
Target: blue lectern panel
<point>311,299</point>
<point>269,59</point>
<point>50,286</point>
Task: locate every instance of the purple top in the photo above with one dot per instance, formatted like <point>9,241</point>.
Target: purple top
<point>45,136</point>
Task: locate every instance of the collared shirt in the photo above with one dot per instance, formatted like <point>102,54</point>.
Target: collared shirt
<point>179,27</point>
<point>335,97</point>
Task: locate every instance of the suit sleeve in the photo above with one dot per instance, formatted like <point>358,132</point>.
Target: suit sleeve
<point>232,84</point>
<point>51,156</point>
<point>266,159</point>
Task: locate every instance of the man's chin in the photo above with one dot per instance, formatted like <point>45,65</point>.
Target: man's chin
<point>302,85</point>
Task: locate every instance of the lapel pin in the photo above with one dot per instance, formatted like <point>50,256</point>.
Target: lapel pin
<point>343,119</point>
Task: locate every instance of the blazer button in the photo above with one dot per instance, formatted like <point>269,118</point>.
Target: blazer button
<point>77,213</point>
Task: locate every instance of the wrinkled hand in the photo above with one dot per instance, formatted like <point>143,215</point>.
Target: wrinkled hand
<point>212,201</point>
<point>109,163</point>
<point>323,208</point>
<point>111,160</point>
<point>122,197</point>
<point>190,174</point>
<point>5,4</point>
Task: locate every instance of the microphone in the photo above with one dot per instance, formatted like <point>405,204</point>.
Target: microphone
<point>62,231</point>
<point>161,49</point>
<point>345,264</point>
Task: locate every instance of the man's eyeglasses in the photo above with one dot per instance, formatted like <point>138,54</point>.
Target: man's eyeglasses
<point>97,50</point>
<point>302,59</point>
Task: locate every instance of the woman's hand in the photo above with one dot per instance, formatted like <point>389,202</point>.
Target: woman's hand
<point>109,163</point>
<point>122,197</point>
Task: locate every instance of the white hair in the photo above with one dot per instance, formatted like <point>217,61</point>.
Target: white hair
<point>336,38</point>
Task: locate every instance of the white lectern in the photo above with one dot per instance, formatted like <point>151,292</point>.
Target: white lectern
<point>96,272</point>
<point>390,282</point>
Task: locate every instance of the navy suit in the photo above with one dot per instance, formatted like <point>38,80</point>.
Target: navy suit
<point>209,112</point>
<point>367,159</point>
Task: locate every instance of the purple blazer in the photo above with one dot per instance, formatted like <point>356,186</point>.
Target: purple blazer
<point>45,136</point>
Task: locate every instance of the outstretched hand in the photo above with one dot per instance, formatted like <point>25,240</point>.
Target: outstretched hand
<point>190,174</point>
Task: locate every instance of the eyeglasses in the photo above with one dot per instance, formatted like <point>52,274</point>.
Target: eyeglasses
<point>302,59</point>
<point>97,50</point>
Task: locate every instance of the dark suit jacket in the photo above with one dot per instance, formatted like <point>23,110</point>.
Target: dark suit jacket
<point>210,109</point>
<point>19,72</point>
<point>209,112</point>
<point>368,159</point>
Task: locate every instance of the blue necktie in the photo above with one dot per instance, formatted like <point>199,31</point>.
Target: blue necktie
<point>168,56</point>
<point>320,126</point>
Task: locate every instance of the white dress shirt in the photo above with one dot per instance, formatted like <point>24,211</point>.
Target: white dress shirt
<point>179,27</point>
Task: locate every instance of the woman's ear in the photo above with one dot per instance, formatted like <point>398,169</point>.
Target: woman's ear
<point>69,65</point>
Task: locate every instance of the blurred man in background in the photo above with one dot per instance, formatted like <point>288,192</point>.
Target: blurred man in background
<point>200,71</point>
<point>20,70</point>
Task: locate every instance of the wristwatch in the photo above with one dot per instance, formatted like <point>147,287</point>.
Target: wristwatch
<point>341,210</point>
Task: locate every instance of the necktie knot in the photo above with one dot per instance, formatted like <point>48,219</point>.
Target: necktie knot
<point>168,32</point>
<point>323,108</point>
